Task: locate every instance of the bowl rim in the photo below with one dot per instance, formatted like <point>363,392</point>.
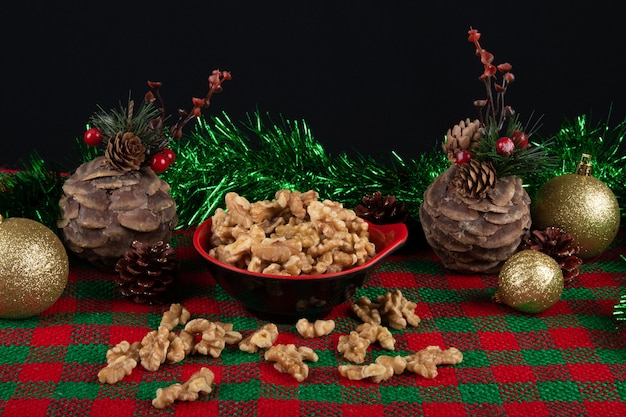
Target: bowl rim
<point>396,235</point>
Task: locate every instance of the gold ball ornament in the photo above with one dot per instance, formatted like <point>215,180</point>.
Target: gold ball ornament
<point>581,205</point>
<point>34,268</point>
<point>529,281</point>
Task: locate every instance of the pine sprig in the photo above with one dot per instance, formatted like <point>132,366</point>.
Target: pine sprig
<point>130,119</point>
<point>524,161</point>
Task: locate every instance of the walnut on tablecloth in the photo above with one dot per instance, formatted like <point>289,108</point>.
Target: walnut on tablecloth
<point>200,382</point>
<point>263,337</point>
<point>317,328</point>
<point>289,359</point>
<point>121,360</point>
<point>353,346</point>
<point>392,308</point>
<point>425,361</point>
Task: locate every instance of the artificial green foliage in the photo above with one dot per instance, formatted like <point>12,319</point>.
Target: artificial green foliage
<point>602,139</point>
<point>32,192</point>
<point>258,157</point>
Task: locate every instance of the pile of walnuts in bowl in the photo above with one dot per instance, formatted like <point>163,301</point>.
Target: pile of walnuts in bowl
<point>293,234</point>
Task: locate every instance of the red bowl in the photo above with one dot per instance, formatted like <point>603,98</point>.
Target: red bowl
<point>286,299</point>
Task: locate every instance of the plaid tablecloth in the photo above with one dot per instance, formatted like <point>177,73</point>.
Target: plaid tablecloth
<point>567,361</point>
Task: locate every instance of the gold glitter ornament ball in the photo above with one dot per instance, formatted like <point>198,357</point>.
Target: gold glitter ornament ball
<point>529,281</point>
<point>34,268</point>
<point>581,205</point>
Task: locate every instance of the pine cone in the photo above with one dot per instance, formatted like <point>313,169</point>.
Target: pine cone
<point>381,210</point>
<point>558,244</point>
<point>147,272</point>
<point>475,178</point>
<point>464,135</point>
<point>125,152</point>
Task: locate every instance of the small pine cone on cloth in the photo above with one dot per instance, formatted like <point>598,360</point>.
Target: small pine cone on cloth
<point>379,209</point>
<point>147,273</point>
<point>125,152</point>
<point>558,244</point>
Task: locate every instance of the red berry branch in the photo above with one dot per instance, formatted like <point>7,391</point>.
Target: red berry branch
<point>491,109</point>
<point>215,86</point>
<point>149,122</point>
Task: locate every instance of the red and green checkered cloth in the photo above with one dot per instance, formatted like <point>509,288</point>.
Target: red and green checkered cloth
<point>567,361</point>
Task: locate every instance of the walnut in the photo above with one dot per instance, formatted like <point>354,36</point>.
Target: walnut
<point>123,349</point>
<point>230,336</point>
<point>263,337</point>
<point>177,314</point>
<point>116,370</point>
<point>315,329</point>
<point>154,347</point>
<point>294,234</point>
<point>213,337</point>
<point>391,307</point>
<point>289,359</point>
<point>397,310</point>
<point>425,361</point>
<point>121,360</point>
<point>353,347</point>
<point>382,369</point>
<point>366,310</point>
<point>199,382</point>
<point>397,364</point>
<point>377,333</point>
<point>359,372</point>
<point>176,349</point>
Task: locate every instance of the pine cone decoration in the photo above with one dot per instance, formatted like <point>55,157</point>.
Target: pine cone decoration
<point>381,210</point>
<point>472,235</point>
<point>104,210</point>
<point>558,244</point>
<point>147,273</point>
<point>475,178</point>
<point>463,136</point>
<point>125,152</point>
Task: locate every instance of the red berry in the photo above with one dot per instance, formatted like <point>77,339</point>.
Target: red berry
<point>520,138</point>
<point>169,154</point>
<point>505,146</point>
<point>93,136</point>
<point>159,163</point>
<point>463,157</point>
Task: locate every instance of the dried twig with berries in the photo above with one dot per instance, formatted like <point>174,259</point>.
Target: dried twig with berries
<point>146,127</point>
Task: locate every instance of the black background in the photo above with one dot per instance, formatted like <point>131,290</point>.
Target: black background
<point>371,77</point>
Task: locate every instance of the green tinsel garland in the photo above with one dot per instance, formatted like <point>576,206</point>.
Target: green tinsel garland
<point>33,192</point>
<point>257,156</point>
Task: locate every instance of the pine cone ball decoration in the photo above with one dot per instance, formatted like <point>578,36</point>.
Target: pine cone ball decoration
<point>147,273</point>
<point>473,234</point>
<point>560,245</point>
<point>379,209</point>
<point>104,210</point>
